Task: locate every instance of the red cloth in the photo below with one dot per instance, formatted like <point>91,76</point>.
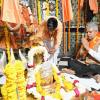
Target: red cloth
<point>42,98</point>
<point>67,10</point>
<point>30,86</point>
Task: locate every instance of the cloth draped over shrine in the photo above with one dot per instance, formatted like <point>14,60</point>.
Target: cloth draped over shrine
<point>93,5</point>
<point>11,11</point>
<point>67,10</point>
<point>90,9</point>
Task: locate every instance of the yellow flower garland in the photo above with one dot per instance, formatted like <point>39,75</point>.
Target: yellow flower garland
<point>4,92</point>
<point>78,24</point>
<point>0,3</point>
<point>43,92</point>
<point>47,11</point>
<point>14,81</point>
<point>67,85</point>
<point>37,50</point>
<point>7,42</point>
<point>56,8</point>
<point>39,10</point>
<point>21,84</point>
<point>69,37</point>
<point>9,89</point>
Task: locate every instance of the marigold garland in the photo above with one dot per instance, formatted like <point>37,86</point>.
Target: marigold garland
<point>7,42</point>
<point>78,23</point>
<point>43,92</point>
<point>64,37</point>
<point>67,85</point>
<point>47,11</point>
<point>9,89</point>
<point>0,3</point>
<point>56,8</point>
<point>37,50</point>
<point>14,81</point>
<point>4,92</point>
<point>21,84</point>
<point>68,35</point>
<point>39,10</point>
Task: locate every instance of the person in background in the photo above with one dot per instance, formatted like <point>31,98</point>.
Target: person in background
<point>51,32</point>
<point>87,62</point>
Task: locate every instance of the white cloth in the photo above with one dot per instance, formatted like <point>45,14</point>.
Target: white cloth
<point>95,54</point>
<point>3,62</point>
<point>53,58</point>
<point>2,80</point>
<point>88,83</point>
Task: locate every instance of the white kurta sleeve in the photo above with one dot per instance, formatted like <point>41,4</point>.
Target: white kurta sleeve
<point>95,54</point>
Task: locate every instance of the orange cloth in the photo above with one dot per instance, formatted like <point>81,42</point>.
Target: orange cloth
<point>96,96</point>
<point>94,41</point>
<point>93,5</point>
<point>67,10</point>
<point>11,11</point>
<point>91,44</point>
<point>26,15</point>
<point>81,3</point>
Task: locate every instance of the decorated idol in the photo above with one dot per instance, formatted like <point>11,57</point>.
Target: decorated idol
<point>48,83</point>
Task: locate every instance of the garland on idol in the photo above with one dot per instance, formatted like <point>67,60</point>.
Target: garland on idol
<point>57,84</point>
<point>34,51</point>
<point>63,86</point>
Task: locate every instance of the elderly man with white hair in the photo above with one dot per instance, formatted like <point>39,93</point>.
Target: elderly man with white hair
<point>87,61</point>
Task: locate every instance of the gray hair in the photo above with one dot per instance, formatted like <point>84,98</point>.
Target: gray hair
<point>93,26</point>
